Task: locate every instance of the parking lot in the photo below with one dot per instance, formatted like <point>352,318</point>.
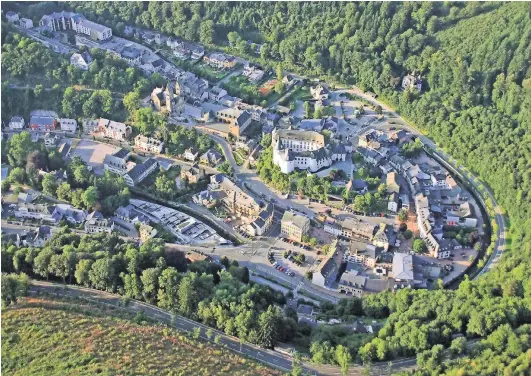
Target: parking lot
<point>93,154</point>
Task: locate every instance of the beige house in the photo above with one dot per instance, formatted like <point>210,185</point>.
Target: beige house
<point>294,226</point>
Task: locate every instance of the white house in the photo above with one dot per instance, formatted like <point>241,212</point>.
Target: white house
<point>16,122</point>
<point>149,144</point>
<point>392,204</point>
<point>319,92</point>
<point>12,17</point>
<point>191,154</point>
<point>25,23</point>
<point>81,61</point>
<point>68,125</point>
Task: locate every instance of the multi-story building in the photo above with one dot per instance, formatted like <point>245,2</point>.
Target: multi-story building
<point>131,55</point>
<point>238,120</point>
<point>351,283</point>
<point>89,125</point>
<point>68,125</point>
<point>350,228</point>
<point>236,201</point>
<point>25,23</point>
<point>149,144</point>
<point>327,272</point>
<point>304,150</point>
<point>113,129</point>
<point>117,162</point>
<point>82,61</point>
<point>77,22</point>
<point>42,123</point>
<point>16,122</point>
<point>96,223</point>
<point>191,154</point>
<point>212,157</point>
<point>193,174</point>
<point>140,172</point>
<point>363,253</point>
<point>219,60</point>
<point>294,226</point>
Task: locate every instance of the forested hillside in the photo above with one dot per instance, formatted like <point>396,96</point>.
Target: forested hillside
<point>476,102</point>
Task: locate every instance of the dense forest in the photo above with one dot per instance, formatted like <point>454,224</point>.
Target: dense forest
<point>476,103</point>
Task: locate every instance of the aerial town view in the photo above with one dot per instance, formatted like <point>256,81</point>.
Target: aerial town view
<point>266,188</point>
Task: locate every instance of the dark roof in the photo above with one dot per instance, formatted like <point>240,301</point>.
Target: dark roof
<point>244,116</point>
<point>218,178</point>
<point>157,63</point>
<point>131,52</point>
<point>140,168</point>
<point>122,153</point>
<point>64,150</point>
<point>86,56</point>
<point>266,212</point>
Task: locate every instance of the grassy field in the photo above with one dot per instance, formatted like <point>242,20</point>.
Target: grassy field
<point>55,337</point>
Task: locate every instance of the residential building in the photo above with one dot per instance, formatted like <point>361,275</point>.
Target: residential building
<point>392,183</point>
<point>65,149</point>
<point>117,162</point>
<point>149,144</point>
<point>289,80</point>
<point>304,150</point>
<point>37,238</point>
<point>357,185</point>
<point>197,52</point>
<point>193,174</point>
<point>12,17</point>
<point>42,123</point>
<point>392,203</point>
<point>50,140</point>
<point>140,172</point>
<point>327,272</point>
<point>219,60</point>
<point>211,157</point>
<point>77,22</point>
<point>236,201</point>
<point>16,122</point>
<point>216,93</point>
<point>68,213</point>
<point>131,55</point>
<point>130,215</point>
<point>413,82</point>
<point>146,232</point>
<point>162,99</point>
<point>191,154</point>
<point>96,223</point>
<point>25,23</point>
<point>68,125</point>
<point>294,226</point>
<point>34,211</point>
<point>363,253</point>
<point>319,92</point>
<point>191,86</point>
<point>261,224</point>
<point>238,120</point>
<point>351,283</point>
<point>89,125</point>
<point>350,228</point>
<point>82,61</point>
<point>113,129</point>
<point>253,73</point>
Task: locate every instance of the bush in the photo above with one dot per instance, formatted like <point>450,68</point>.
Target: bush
<point>408,234</point>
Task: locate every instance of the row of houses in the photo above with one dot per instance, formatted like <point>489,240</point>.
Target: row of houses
<point>44,121</point>
<point>54,214</point>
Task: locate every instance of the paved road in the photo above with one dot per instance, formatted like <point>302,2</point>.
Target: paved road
<point>269,357</point>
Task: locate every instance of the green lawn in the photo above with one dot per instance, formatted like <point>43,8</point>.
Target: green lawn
<point>41,336</point>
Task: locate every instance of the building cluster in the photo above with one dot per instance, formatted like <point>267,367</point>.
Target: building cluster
<point>256,217</point>
<point>64,21</point>
<point>439,201</point>
<point>43,121</point>
<point>54,214</point>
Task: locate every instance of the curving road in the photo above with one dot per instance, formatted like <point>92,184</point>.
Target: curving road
<point>269,357</point>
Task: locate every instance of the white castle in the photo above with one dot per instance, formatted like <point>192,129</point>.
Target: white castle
<point>305,150</point>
